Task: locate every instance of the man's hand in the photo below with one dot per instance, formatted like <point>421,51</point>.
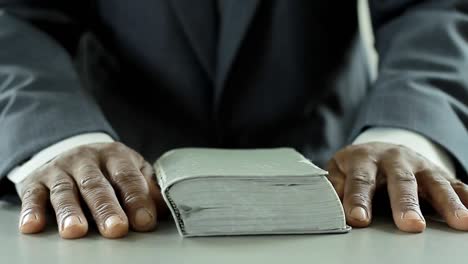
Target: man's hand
<point>358,171</point>
<point>102,175</point>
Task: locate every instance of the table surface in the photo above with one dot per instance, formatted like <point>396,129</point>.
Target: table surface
<point>380,243</point>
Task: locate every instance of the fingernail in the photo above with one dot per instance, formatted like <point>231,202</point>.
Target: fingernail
<point>112,222</point>
<point>71,221</point>
<point>359,214</point>
<point>143,217</point>
<point>28,218</point>
<point>411,215</point>
<point>461,213</point>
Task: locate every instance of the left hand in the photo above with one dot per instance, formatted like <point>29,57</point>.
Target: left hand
<point>357,171</point>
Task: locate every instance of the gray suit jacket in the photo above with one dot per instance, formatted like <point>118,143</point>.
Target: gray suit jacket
<point>159,74</point>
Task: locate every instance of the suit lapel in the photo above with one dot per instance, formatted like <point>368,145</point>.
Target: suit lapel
<point>199,23</point>
<point>235,24</point>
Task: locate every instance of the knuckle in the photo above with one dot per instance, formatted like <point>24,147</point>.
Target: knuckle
<point>396,151</point>
<point>27,209</point>
<point>115,147</point>
<point>61,186</point>
<point>42,174</point>
<point>446,200</point>
<point>31,199</point>
<point>53,166</point>
<point>442,182</point>
<point>89,168</point>
<point>408,201</point>
<point>361,151</point>
<point>103,208</point>
<point>83,151</point>
<point>133,189</point>
<point>99,199</point>
<point>433,180</point>
<point>129,183</point>
<point>47,169</point>
<point>361,177</point>
<point>76,156</point>
<point>147,168</point>
<point>125,174</point>
<point>134,198</point>
<point>65,209</point>
<point>118,145</point>
<point>352,151</point>
<point>453,199</point>
<point>31,192</point>
<point>459,185</point>
<point>404,176</point>
<point>360,199</point>
<point>92,182</point>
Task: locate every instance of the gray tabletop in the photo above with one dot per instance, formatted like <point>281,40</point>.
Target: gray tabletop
<point>381,243</point>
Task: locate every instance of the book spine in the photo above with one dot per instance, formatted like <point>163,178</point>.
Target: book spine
<point>176,213</point>
<point>166,194</point>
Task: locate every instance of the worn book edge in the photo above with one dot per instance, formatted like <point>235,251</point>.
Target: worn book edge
<point>165,188</point>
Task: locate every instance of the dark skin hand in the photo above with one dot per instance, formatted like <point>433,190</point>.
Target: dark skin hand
<point>118,187</point>
<point>116,184</point>
<point>358,171</point>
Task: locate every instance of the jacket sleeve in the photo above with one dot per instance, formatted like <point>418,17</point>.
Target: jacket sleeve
<point>422,82</point>
<point>41,98</point>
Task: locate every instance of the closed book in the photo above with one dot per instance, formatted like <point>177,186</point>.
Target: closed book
<point>214,192</point>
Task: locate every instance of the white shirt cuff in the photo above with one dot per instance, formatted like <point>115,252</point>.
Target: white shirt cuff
<point>18,174</point>
<point>411,140</point>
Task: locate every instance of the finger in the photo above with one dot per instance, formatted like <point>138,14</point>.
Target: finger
<point>359,190</point>
<point>403,192</point>
<point>155,190</point>
<point>444,199</point>
<point>33,207</point>
<point>64,198</point>
<point>461,189</point>
<point>101,200</point>
<point>336,177</point>
<point>134,192</point>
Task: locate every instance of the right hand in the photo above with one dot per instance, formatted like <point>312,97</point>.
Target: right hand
<point>101,174</point>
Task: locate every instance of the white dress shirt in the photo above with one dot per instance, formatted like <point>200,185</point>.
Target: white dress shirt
<point>407,138</point>
<point>411,140</point>
<point>20,173</point>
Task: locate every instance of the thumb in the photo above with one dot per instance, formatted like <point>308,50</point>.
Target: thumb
<point>336,177</point>
<point>155,191</point>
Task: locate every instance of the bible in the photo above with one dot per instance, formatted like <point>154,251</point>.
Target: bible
<point>213,192</point>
